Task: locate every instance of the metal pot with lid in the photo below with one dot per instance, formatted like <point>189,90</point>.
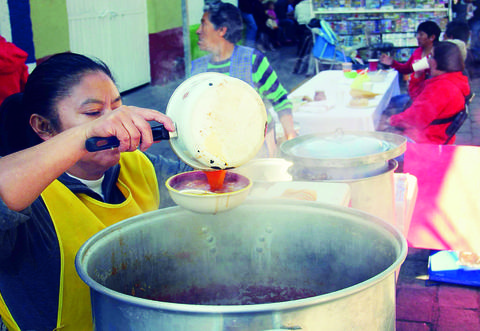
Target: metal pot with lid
<point>343,155</point>
<point>364,160</point>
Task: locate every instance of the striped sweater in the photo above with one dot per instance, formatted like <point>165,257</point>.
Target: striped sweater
<point>263,76</point>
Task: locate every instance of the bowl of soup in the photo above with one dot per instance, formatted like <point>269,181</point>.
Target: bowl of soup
<point>208,192</point>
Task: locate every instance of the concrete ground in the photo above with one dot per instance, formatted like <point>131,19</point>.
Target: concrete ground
<point>421,304</point>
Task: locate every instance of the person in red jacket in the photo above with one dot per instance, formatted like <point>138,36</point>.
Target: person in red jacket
<point>442,97</point>
<point>428,33</point>
<point>13,70</point>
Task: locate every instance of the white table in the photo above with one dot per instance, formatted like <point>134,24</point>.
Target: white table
<point>314,117</point>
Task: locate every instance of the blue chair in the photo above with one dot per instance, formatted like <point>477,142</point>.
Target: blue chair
<point>327,49</point>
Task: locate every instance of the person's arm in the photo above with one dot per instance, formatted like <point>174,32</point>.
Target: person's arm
<point>402,68</point>
<point>406,68</point>
<point>424,109</point>
<point>386,59</point>
<point>270,88</point>
<point>25,174</point>
<point>287,123</point>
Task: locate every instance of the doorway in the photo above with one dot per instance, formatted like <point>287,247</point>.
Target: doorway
<point>116,32</point>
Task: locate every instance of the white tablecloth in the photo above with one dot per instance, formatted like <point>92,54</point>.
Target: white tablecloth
<point>315,117</point>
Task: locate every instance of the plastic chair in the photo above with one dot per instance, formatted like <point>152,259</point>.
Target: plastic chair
<point>320,46</point>
<point>457,120</point>
<point>304,57</point>
<point>328,49</point>
<point>325,46</point>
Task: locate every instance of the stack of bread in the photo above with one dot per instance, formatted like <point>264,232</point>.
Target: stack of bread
<point>360,97</point>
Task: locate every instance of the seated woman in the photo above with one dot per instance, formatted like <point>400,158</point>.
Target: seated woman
<point>54,194</point>
<point>440,99</point>
<point>417,79</point>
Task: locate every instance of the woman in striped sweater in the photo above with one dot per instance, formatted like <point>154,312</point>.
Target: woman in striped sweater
<point>221,28</point>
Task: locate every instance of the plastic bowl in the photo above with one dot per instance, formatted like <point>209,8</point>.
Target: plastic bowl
<point>191,191</point>
<point>350,74</point>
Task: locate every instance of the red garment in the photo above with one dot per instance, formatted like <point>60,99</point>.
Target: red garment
<point>446,210</point>
<point>13,70</point>
<point>407,68</point>
<point>442,97</point>
<point>416,84</point>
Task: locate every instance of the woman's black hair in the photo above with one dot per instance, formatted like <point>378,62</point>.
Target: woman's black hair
<point>448,57</point>
<point>431,29</point>
<point>223,14</point>
<point>50,82</point>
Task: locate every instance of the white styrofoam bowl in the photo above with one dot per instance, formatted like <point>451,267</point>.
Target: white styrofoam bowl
<point>204,201</point>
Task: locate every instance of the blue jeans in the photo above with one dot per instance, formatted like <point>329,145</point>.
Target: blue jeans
<point>475,34</point>
<point>289,29</point>
<point>251,29</point>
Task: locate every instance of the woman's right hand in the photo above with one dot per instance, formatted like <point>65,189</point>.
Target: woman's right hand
<point>130,125</point>
<point>26,173</point>
<point>386,59</point>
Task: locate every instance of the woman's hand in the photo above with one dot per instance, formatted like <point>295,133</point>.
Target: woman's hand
<point>288,126</point>
<point>26,173</point>
<point>130,125</point>
<point>385,59</point>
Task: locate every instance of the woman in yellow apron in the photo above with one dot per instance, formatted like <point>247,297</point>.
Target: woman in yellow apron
<point>54,194</point>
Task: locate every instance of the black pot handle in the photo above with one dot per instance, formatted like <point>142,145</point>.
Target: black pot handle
<point>95,144</point>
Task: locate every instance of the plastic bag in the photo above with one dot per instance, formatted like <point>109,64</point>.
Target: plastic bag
<point>271,24</point>
<point>359,80</point>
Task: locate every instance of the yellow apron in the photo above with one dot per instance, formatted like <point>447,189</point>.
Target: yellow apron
<point>76,218</point>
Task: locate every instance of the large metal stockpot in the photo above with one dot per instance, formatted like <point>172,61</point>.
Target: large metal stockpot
<point>346,257</point>
<point>364,160</point>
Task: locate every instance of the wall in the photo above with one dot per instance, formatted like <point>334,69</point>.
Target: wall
<point>165,41</point>
<point>50,34</point>
<point>164,15</point>
<point>5,29</point>
<point>49,23</point>
<point>165,22</point>
<point>50,27</point>
<point>17,15</point>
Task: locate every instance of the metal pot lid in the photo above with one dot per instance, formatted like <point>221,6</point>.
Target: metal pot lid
<point>342,149</point>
